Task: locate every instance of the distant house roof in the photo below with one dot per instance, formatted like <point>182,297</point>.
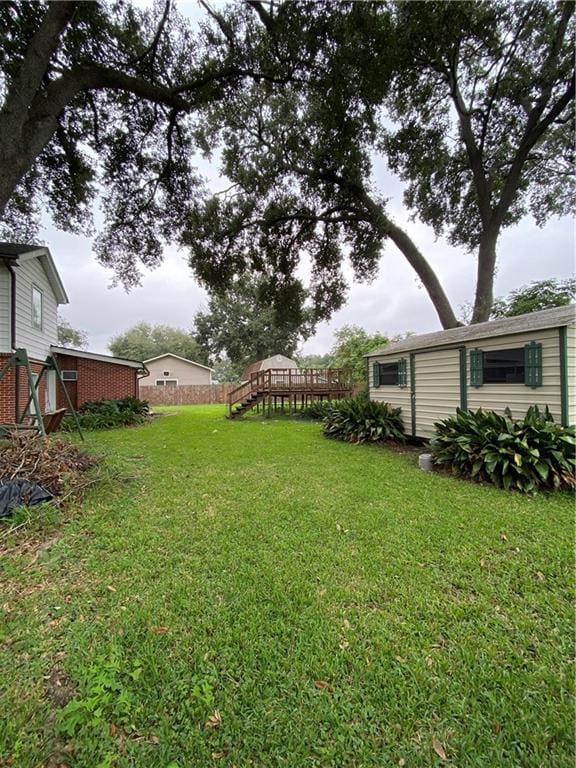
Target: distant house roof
<point>275,361</point>
<point>177,357</point>
<point>19,253</point>
<point>100,358</point>
<point>534,321</point>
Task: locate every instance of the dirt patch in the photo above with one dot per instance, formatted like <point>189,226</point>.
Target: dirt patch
<point>60,688</point>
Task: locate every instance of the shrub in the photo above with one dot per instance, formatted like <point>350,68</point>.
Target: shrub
<point>107,414</point>
<point>319,409</point>
<point>359,420</point>
<point>528,454</point>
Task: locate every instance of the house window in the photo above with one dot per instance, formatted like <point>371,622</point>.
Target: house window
<point>166,373</point>
<point>503,366</point>
<point>37,307</point>
<point>69,375</point>
<point>166,382</point>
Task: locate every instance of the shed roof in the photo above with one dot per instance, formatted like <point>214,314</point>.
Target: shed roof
<point>275,361</point>
<point>534,321</point>
<point>177,357</point>
<point>16,252</point>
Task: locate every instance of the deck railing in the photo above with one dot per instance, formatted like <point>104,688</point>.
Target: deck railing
<point>292,381</point>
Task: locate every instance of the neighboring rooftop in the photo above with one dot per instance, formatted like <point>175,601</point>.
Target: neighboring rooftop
<point>177,357</point>
<point>534,321</point>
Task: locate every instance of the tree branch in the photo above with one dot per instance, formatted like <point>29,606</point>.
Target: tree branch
<point>33,66</point>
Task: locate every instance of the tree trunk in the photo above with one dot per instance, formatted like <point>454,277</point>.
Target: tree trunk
<point>485,276</point>
<point>425,272</point>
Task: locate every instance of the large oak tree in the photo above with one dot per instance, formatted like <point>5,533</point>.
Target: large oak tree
<point>472,104</point>
<point>101,98</point>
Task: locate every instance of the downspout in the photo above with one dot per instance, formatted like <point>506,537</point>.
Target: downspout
<point>10,268</point>
<point>140,374</point>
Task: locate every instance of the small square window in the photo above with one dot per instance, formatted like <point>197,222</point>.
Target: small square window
<point>388,374</point>
<point>37,300</point>
<point>166,373</point>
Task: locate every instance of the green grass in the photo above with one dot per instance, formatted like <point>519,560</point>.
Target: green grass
<point>240,563</point>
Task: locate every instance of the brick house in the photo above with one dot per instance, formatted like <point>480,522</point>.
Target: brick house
<point>30,292</point>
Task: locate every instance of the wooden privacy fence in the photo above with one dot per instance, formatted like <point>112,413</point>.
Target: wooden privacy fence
<point>187,394</point>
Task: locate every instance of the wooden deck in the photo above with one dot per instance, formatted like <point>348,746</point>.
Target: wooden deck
<point>295,387</point>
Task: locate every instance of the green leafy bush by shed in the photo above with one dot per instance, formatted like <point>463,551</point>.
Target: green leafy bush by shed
<point>359,420</point>
<point>319,409</point>
<point>527,455</point>
<point>107,414</point>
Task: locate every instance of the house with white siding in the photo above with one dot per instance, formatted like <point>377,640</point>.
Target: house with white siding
<point>30,293</point>
<point>514,362</point>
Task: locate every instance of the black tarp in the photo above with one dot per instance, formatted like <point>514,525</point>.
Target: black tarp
<point>21,493</point>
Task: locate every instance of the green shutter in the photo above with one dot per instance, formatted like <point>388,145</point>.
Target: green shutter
<point>402,372</point>
<point>476,367</point>
<point>376,374</point>
<point>533,364</point>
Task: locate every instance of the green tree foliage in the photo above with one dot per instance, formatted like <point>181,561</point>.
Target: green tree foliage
<point>103,97</point>
<point>314,361</point>
<point>243,325</point>
<point>471,104</point>
<point>541,294</point>
<point>350,346</point>
<point>70,337</point>
<point>225,372</point>
<point>144,341</point>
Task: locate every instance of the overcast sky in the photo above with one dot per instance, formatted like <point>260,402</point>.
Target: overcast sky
<point>393,303</point>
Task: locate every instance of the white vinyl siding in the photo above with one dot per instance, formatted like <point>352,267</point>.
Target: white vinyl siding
<point>571,374</point>
<point>397,396</point>
<point>519,397</point>
<point>5,340</point>
<point>437,391</point>
<point>37,341</point>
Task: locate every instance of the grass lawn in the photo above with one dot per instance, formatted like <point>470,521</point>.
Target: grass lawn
<point>254,595</point>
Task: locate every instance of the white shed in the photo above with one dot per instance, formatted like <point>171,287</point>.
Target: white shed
<point>514,362</point>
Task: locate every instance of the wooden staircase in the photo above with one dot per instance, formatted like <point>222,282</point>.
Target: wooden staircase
<point>297,386</point>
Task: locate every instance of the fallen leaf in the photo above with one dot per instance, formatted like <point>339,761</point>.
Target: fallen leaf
<point>217,755</point>
<point>438,748</point>
<point>496,728</point>
<point>347,624</point>
<point>540,576</point>
<point>504,537</point>
<point>482,563</point>
<point>215,720</point>
<point>401,763</point>
<point>154,740</point>
<point>159,630</point>
<point>429,661</point>
<point>343,645</point>
<point>110,588</point>
<point>321,684</point>
<point>400,659</point>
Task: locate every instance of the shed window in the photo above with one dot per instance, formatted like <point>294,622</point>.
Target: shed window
<point>36,307</point>
<point>504,366</point>
<point>388,374</point>
<point>166,382</point>
<point>166,373</point>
